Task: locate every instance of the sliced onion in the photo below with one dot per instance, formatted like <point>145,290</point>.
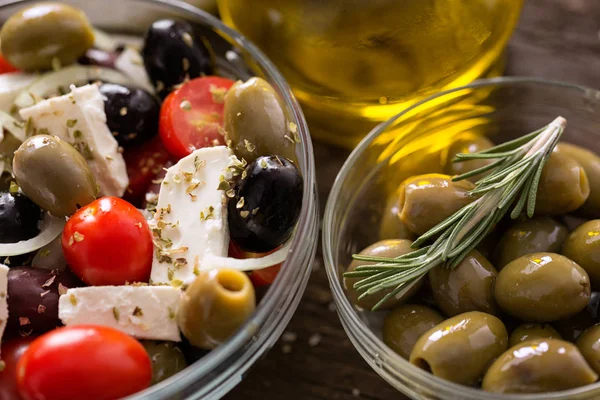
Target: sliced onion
<point>104,41</point>
<point>11,84</point>
<point>51,228</point>
<point>131,64</point>
<point>13,126</point>
<point>248,264</point>
<point>50,82</point>
<point>111,42</point>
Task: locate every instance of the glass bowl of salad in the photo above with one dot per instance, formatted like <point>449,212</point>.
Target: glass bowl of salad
<point>158,212</point>
<point>476,329</point>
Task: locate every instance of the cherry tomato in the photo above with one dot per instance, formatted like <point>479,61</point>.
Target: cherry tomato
<point>191,117</point>
<point>143,164</point>
<point>12,350</point>
<point>259,277</point>
<point>83,362</point>
<point>5,67</point>
<point>108,242</point>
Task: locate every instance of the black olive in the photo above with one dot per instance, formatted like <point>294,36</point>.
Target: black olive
<point>173,52</point>
<point>131,113</point>
<point>19,218</point>
<point>266,205</point>
<point>33,299</point>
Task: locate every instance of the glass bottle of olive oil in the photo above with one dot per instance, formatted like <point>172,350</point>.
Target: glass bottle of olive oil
<point>355,63</point>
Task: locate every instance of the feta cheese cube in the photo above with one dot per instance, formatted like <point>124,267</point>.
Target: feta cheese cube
<point>191,216</point>
<point>79,118</point>
<point>3,299</point>
<point>144,312</point>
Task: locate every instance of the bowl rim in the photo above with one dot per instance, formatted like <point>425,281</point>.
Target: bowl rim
<point>347,313</point>
<point>294,274</point>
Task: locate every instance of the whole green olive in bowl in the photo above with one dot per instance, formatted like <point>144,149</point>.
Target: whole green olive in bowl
<point>539,366</point>
<point>54,175</point>
<point>467,287</point>
<point>563,186</point>
<point>530,331</point>
<point>468,143</point>
<point>583,246</point>
<point>539,234</point>
<point>214,306</point>
<point>39,36</point>
<point>426,200</point>
<point>404,325</point>
<point>472,340</point>
<point>383,248</point>
<point>542,287</point>
<point>590,162</point>
<point>255,122</point>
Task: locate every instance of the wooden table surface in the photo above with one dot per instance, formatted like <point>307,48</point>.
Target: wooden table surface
<point>555,39</point>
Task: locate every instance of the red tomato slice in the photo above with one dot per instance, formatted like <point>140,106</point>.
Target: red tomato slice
<point>144,163</point>
<point>108,242</point>
<point>12,350</point>
<point>191,117</point>
<point>259,277</point>
<point>83,362</point>
<point>5,67</point>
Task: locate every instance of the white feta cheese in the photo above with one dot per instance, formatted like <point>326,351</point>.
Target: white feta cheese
<point>130,63</point>
<point>3,299</point>
<point>144,312</point>
<point>191,216</point>
<point>79,118</point>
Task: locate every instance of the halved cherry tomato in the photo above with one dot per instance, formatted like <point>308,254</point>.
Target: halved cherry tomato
<point>143,164</point>
<point>108,242</point>
<point>259,277</point>
<point>191,117</point>
<point>12,350</point>
<point>5,67</point>
<point>83,362</point>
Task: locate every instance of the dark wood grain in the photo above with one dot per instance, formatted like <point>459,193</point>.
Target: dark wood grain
<point>555,39</point>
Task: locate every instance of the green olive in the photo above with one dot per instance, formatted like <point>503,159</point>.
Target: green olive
<point>538,366</point>
<point>54,175</point>
<point>469,143</point>
<point>461,348</point>
<point>391,226</point>
<point>215,305</point>
<point>167,359</point>
<point>403,326</point>
<point>563,187</point>
<point>426,200</point>
<point>383,248</point>
<point>530,331</point>
<point>36,36</point>
<point>467,287</point>
<point>589,346</point>
<point>542,287</point>
<point>590,162</point>
<point>256,123</point>
<point>583,247</point>
<point>536,235</point>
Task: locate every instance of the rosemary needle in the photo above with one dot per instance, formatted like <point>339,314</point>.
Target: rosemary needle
<point>513,179</point>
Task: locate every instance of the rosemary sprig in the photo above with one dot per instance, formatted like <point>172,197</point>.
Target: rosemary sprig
<point>514,179</point>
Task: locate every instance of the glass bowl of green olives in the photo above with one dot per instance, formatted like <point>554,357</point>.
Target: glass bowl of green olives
<point>93,36</point>
<point>459,242</point>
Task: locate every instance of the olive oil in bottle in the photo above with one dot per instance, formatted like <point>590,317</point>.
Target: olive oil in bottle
<point>355,63</point>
